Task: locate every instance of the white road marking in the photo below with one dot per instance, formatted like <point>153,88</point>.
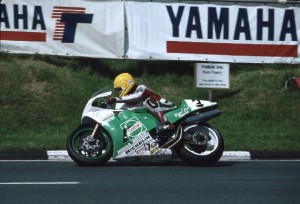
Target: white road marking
<point>40,183</point>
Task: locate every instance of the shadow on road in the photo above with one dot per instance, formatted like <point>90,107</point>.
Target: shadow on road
<point>166,163</point>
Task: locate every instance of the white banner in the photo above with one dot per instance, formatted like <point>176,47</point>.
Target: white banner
<point>213,32</point>
<point>63,27</point>
<point>219,32</point>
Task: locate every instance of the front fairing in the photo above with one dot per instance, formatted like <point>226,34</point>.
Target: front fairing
<point>96,107</point>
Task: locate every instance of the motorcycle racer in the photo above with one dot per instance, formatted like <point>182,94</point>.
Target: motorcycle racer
<point>135,96</point>
<point>107,132</point>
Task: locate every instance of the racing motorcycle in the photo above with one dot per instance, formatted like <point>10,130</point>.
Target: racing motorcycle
<point>130,134</point>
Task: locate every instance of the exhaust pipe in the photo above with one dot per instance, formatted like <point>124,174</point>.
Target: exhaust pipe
<point>202,117</point>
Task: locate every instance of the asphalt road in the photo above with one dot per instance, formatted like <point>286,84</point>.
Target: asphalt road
<point>169,182</point>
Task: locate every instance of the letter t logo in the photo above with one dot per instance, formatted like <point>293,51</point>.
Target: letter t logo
<point>66,23</point>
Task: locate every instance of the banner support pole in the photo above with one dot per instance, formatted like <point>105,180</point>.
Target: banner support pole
<point>210,95</point>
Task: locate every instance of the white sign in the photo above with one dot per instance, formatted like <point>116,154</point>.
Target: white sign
<point>189,30</point>
<point>213,32</point>
<point>210,75</point>
<point>69,27</point>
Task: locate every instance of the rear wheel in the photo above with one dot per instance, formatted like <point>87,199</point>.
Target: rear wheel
<point>86,150</point>
<point>202,145</point>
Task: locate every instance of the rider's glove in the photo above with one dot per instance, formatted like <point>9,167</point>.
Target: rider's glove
<point>111,100</point>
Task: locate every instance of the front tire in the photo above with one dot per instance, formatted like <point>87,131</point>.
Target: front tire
<point>207,151</point>
<point>88,151</point>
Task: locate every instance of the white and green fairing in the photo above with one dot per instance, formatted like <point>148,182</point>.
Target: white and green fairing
<point>129,129</point>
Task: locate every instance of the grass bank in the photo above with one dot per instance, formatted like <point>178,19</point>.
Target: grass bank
<point>41,100</point>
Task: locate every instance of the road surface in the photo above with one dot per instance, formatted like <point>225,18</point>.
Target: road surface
<point>46,182</point>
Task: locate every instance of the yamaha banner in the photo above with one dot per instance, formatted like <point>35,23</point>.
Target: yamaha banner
<point>63,27</point>
<point>162,30</point>
<point>213,32</point>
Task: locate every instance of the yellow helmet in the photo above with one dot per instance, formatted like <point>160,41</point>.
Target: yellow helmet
<point>123,83</point>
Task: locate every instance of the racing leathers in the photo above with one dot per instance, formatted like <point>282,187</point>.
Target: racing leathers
<point>141,96</point>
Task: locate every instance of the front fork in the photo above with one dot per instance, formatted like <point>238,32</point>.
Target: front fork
<point>94,131</point>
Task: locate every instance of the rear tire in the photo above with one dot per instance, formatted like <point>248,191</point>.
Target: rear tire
<point>86,151</point>
<point>202,155</point>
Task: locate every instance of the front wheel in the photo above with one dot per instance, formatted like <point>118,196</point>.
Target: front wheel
<point>86,150</point>
<point>202,145</point>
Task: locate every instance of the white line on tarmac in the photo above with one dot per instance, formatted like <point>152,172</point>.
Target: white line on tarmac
<point>40,183</point>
